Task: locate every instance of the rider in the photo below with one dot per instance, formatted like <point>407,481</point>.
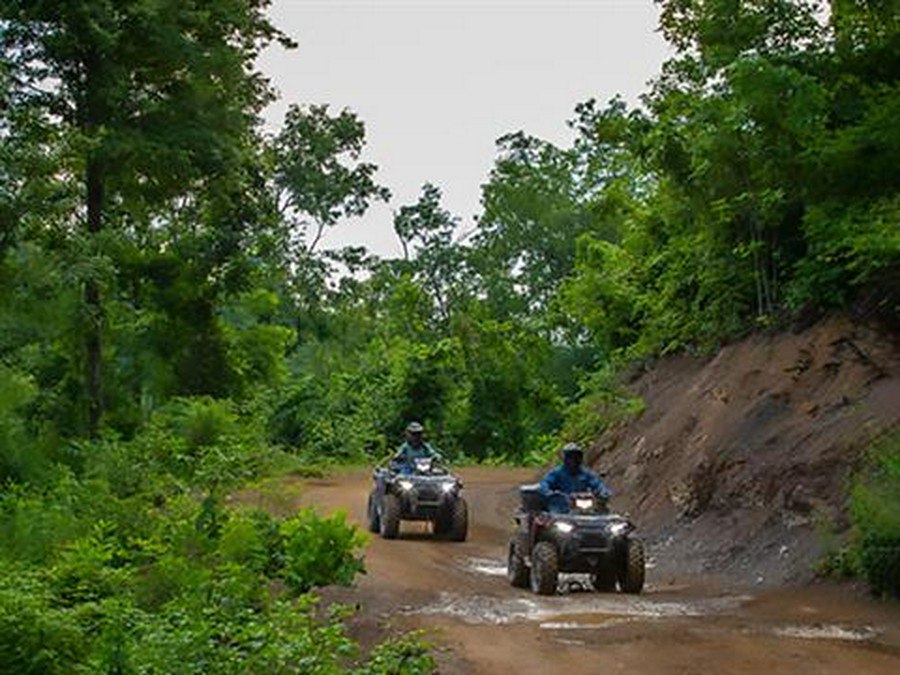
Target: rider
<point>570,477</point>
<point>413,448</point>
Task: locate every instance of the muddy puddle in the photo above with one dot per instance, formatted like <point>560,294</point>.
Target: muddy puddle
<point>828,632</point>
<point>492,568</point>
<point>603,608</point>
<point>577,609</point>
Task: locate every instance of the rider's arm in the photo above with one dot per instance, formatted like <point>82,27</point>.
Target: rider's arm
<point>401,454</point>
<point>398,460</point>
<point>598,487</point>
<point>549,483</point>
<point>434,452</point>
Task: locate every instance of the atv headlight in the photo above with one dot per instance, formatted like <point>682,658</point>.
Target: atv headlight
<point>563,527</point>
<point>584,504</point>
<point>617,529</point>
<point>448,487</point>
<point>405,485</point>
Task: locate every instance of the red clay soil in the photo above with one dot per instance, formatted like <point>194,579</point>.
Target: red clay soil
<point>740,463</point>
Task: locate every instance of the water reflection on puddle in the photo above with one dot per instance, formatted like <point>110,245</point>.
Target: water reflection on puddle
<point>493,568</point>
<point>828,632</point>
<point>579,608</point>
<point>607,622</point>
<point>500,610</point>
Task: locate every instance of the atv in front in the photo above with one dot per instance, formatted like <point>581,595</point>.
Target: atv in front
<point>429,493</point>
<point>587,539</point>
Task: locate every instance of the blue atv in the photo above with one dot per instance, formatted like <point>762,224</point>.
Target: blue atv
<point>428,493</point>
<point>587,539</point>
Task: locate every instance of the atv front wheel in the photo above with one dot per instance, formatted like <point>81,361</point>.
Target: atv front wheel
<point>544,568</point>
<point>390,517</point>
<point>441,525</point>
<point>516,569</point>
<point>372,514</point>
<point>604,579</point>
<point>631,573</point>
<point>459,520</point>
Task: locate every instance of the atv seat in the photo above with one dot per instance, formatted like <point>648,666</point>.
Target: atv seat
<point>532,500</point>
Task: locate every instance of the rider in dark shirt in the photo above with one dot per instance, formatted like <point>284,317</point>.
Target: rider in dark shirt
<point>413,448</point>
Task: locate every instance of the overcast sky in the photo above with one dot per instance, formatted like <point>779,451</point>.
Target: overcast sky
<point>438,81</point>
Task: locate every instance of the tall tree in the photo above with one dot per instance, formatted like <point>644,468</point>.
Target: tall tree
<point>525,239</point>
<point>155,98</point>
<point>318,173</point>
<point>436,260</point>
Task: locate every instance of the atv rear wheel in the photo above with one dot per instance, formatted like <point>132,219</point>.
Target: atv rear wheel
<point>544,568</point>
<point>459,520</point>
<point>390,517</point>
<point>604,579</point>
<point>631,573</point>
<point>516,569</point>
<point>372,514</point>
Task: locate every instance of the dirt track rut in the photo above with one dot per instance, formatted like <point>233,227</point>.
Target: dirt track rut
<point>479,624</point>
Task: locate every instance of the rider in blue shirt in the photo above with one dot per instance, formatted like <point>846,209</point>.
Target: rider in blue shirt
<point>570,477</point>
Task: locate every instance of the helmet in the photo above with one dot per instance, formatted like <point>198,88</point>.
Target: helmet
<point>571,448</point>
<point>572,457</point>
<point>415,428</point>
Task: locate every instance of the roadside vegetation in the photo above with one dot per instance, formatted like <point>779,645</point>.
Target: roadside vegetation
<point>171,326</point>
<point>874,550</point>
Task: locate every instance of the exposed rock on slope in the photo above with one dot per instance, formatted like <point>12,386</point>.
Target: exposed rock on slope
<point>740,462</point>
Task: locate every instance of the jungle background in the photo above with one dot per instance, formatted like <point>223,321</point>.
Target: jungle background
<point>171,328</point>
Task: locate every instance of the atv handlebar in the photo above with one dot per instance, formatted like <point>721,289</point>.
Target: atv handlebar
<point>575,500</point>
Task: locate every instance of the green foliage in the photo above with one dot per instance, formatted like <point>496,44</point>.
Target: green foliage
<point>216,633</point>
<point>407,655</point>
<point>35,636</point>
<point>603,295</point>
<point>18,460</point>
<point>255,347</point>
<point>85,570</point>
<point>147,106</point>
<point>478,386</point>
<point>319,551</point>
<point>319,179</point>
<point>164,296</point>
<point>199,441</point>
<point>603,402</point>
<point>875,515</point>
<point>95,582</point>
<point>850,249</point>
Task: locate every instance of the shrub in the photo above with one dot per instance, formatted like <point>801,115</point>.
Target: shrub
<point>86,571</point>
<point>406,655</point>
<point>36,637</point>
<point>875,514</point>
<point>602,403</point>
<point>21,458</point>
<point>320,551</point>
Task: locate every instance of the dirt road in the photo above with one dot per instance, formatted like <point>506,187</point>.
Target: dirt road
<point>479,624</point>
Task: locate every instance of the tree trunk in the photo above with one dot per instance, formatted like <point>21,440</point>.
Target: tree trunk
<point>94,304</point>
<point>92,114</point>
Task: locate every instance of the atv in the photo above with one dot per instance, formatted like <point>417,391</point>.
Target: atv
<point>588,540</point>
<point>429,493</point>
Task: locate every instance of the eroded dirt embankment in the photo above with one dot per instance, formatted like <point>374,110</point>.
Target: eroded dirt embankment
<point>740,462</point>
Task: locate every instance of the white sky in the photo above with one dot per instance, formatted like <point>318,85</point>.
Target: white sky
<point>438,81</point>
